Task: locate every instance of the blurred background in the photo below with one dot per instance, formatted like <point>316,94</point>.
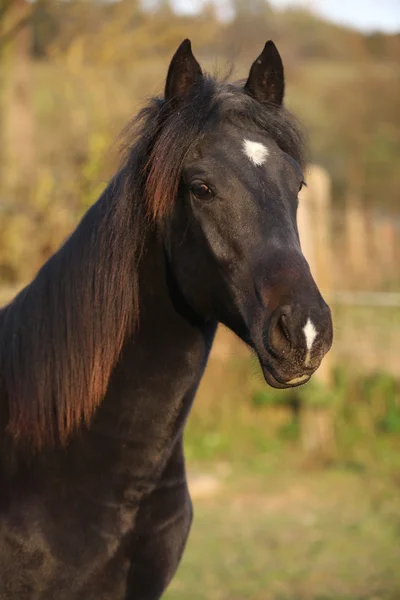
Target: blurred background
<point>296,493</point>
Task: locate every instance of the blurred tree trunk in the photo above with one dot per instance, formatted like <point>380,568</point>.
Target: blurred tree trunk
<point>17,127</point>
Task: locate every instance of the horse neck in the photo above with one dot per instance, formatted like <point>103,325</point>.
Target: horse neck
<point>153,385</point>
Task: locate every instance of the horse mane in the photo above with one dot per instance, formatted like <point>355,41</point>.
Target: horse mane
<point>62,335</point>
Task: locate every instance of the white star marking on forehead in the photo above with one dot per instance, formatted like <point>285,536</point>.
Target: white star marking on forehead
<point>255,151</point>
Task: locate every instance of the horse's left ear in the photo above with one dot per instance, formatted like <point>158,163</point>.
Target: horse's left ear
<point>266,82</point>
<point>183,73</point>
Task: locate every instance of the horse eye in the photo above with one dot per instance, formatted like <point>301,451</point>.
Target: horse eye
<point>201,190</point>
<point>303,184</point>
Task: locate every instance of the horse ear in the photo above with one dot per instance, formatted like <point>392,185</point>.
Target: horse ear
<point>266,82</point>
<point>184,72</point>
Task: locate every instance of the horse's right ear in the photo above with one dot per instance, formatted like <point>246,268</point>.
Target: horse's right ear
<point>183,73</point>
<point>266,82</point>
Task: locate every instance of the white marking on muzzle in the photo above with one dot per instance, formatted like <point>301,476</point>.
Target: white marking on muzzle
<point>255,151</point>
<point>310,333</point>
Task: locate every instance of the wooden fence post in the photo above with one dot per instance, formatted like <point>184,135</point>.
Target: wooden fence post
<point>314,221</point>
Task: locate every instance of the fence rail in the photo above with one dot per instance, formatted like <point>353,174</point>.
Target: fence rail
<point>369,299</point>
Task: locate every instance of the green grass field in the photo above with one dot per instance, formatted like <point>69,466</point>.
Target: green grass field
<point>293,535</point>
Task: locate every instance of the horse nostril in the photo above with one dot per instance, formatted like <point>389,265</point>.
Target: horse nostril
<point>283,323</point>
<point>280,339</point>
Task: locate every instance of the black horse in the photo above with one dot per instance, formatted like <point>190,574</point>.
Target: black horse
<point>101,355</point>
